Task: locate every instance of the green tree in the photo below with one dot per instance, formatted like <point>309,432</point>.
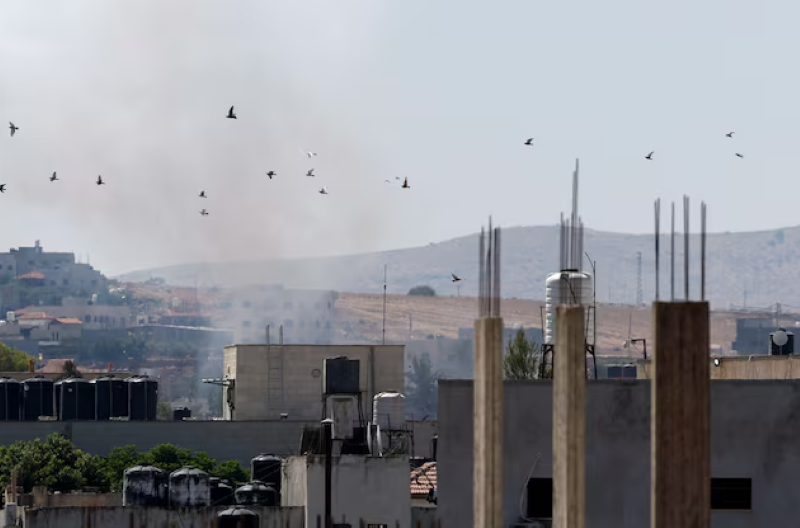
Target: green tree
<point>231,470</point>
<point>70,370</point>
<point>13,360</point>
<point>521,361</point>
<point>164,411</point>
<point>118,460</point>
<point>422,394</point>
<point>424,291</point>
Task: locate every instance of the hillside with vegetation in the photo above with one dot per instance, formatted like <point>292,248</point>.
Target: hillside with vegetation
<point>757,268</point>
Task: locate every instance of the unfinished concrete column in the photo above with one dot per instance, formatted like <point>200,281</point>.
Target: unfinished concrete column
<point>680,406</point>
<point>569,421</point>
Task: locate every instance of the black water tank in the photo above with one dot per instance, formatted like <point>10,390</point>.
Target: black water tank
<point>614,372</point>
<point>237,518</point>
<point>144,486</point>
<point>181,413</point>
<point>142,398</point>
<point>266,468</point>
<point>10,399</point>
<point>256,494</point>
<point>37,398</point>
<point>74,399</point>
<point>629,371</point>
<point>111,397</point>
<point>221,492</point>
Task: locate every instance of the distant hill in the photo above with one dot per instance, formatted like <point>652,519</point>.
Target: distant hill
<point>758,268</point>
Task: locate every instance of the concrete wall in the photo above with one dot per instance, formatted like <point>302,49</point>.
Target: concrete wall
<point>221,440</point>
<point>425,517</point>
<point>153,517</point>
<point>423,432</point>
<point>372,490</point>
<point>743,368</point>
<point>754,430</point>
<point>302,382</point>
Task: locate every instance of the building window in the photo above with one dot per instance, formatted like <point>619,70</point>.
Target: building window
<point>87,319</point>
<point>540,498</point>
<point>731,494</point>
<point>66,282</point>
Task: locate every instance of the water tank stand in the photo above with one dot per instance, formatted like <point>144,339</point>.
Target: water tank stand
<point>359,404</point>
<point>550,349</point>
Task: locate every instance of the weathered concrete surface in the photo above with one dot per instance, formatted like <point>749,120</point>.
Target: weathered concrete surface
<point>369,489</point>
<point>424,517</point>
<point>153,517</point>
<point>221,440</point>
<point>755,427</point>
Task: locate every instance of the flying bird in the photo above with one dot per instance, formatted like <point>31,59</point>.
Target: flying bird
<point>310,173</point>
<point>405,184</point>
<point>13,128</point>
<point>231,115</point>
<point>204,212</point>
<point>2,187</point>
<point>53,177</point>
<point>739,155</point>
<point>729,134</point>
<point>650,156</point>
<point>271,174</point>
<point>202,194</point>
<point>323,191</point>
<point>529,142</point>
<point>100,181</point>
<point>310,154</point>
<point>455,278</point>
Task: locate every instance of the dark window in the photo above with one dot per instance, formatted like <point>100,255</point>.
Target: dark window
<point>731,494</point>
<point>540,498</point>
<point>66,282</point>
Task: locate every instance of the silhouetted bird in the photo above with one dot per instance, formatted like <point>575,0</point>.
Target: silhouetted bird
<point>739,155</point>
<point>53,177</point>
<point>231,115</point>
<point>729,134</point>
<point>204,212</point>
<point>202,194</point>
<point>2,187</point>
<point>529,142</point>
<point>650,156</point>
<point>310,173</point>
<point>455,279</point>
<point>100,181</point>
<point>405,184</point>
<point>310,154</point>
<point>13,128</point>
<point>271,174</point>
<point>323,191</point>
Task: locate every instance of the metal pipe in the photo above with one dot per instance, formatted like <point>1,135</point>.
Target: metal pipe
<point>686,246</point>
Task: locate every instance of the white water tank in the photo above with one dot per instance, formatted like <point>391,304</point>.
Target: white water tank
<point>389,410</point>
<point>11,317</point>
<point>567,287</point>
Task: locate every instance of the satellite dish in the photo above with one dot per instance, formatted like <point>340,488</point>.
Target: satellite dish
<point>716,362</point>
<point>780,338</point>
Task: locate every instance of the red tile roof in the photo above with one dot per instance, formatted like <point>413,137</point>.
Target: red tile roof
<point>423,479</point>
<point>68,320</point>
<point>32,275</point>
<point>34,315</point>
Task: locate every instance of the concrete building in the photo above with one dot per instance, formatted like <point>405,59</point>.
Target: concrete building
<point>306,315</point>
<point>270,380</point>
<point>754,458</point>
<point>364,490</point>
<point>93,316</point>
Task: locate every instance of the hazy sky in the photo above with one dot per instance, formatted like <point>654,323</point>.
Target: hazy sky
<point>442,92</point>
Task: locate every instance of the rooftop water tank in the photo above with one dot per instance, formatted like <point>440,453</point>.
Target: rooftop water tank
<point>111,397</point>
<point>237,517</point>
<point>142,398</point>
<point>567,287</point>
<point>256,493</point>
<point>220,492</point>
<point>389,410</point>
<point>188,488</point>
<point>10,399</point>
<point>37,398</point>
<point>266,468</point>
<point>144,486</point>
<point>75,399</point>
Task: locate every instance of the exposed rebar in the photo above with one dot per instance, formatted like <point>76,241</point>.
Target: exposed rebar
<point>702,251</point>
<point>489,273</point>
<point>658,240</point>
<point>672,257</point>
<point>686,247</point>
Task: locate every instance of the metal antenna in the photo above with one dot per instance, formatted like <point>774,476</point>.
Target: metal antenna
<point>702,251</point>
<point>383,331</point>
<point>489,279</point>
<point>686,246</point>
<point>672,258</point>
<point>658,239</point>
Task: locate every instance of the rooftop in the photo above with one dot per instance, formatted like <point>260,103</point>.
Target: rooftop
<point>32,275</point>
<point>68,320</point>
<point>423,479</point>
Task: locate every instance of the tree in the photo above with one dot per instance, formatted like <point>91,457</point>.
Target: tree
<point>70,370</point>
<point>425,291</point>
<point>13,360</point>
<point>231,470</point>
<point>422,394</point>
<point>521,361</point>
<point>163,411</point>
